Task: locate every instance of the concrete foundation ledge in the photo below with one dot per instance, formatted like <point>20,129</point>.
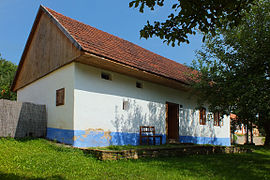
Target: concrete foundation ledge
<point>163,152</point>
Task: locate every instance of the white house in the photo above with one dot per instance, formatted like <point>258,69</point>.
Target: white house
<point>98,88</point>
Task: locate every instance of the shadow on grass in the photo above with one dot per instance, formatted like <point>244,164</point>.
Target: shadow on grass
<point>25,139</point>
<point>222,166</point>
<point>255,165</point>
<point>11,176</point>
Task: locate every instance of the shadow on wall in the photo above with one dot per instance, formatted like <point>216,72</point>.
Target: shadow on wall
<point>187,125</point>
<point>192,132</point>
<point>20,120</point>
<point>127,122</point>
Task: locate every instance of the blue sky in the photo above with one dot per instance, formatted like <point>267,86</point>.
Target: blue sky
<point>114,17</point>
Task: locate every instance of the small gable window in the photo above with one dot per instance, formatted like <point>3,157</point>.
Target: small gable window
<point>106,76</point>
<point>217,119</point>
<point>202,116</point>
<point>60,97</point>
<point>139,85</point>
<point>125,105</point>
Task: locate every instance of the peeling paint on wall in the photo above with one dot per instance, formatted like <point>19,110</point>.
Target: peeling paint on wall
<point>94,131</point>
<point>89,130</point>
<point>75,138</point>
<point>107,135</point>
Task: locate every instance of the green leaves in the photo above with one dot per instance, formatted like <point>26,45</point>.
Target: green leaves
<point>150,3</point>
<point>7,73</point>
<point>174,6</point>
<point>237,60</point>
<point>192,15</point>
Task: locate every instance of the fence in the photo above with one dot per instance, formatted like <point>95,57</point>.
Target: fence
<point>21,119</point>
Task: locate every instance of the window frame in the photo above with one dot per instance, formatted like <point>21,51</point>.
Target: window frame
<point>60,97</point>
<point>104,75</point>
<point>125,105</point>
<point>139,85</point>
<point>202,116</point>
<point>217,119</point>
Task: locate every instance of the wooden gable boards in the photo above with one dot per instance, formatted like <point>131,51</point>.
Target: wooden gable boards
<point>47,35</point>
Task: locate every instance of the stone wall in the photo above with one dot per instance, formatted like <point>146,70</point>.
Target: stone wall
<point>21,119</point>
<point>163,152</point>
<point>258,141</point>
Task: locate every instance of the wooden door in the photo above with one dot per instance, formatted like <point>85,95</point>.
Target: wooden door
<point>172,121</point>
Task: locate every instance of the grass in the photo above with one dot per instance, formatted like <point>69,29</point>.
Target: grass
<point>42,159</point>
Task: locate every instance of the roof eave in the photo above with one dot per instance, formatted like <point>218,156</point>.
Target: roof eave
<point>98,61</point>
<point>140,69</point>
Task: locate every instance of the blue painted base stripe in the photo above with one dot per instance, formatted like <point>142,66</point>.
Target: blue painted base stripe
<point>82,138</point>
<point>99,139</point>
<point>206,140</point>
<point>61,135</point>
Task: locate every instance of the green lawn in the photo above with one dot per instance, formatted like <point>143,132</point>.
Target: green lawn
<point>41,159</point>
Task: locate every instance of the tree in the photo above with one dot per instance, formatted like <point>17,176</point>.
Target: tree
<point>190,15</point>
<point>235,69</point>
<point>7,73</point>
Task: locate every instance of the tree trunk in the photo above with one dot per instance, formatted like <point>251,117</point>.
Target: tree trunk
<point>233,140</point>
<point>266,127</point>
<point>247,142</point>
<point>251,133</point>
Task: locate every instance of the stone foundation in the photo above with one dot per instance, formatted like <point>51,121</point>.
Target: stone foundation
<point>163,152</point>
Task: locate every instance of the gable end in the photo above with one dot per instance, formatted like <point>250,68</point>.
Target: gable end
<point>49,47</point>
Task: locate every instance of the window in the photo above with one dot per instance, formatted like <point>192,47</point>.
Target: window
<point>139,85</point>
<point>125,105</point>
<point>106,76</point>
<point>60,97</point>
<point>217,119</point>
<point>202,116</point>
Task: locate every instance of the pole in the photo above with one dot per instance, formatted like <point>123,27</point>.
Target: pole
<point>247,132</point>
<point>251,133</point>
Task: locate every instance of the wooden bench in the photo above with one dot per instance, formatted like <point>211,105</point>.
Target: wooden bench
<point>149,132</point>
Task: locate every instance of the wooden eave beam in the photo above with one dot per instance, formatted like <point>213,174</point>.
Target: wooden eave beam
<point>112,65</point>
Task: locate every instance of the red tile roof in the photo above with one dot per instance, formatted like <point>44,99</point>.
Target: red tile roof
<point>104,44</point>
<point>233,116</point>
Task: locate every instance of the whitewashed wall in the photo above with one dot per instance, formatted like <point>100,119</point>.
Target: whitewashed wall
<point>93,113</point>
<point>43,91</point>
<point>98,105</point>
